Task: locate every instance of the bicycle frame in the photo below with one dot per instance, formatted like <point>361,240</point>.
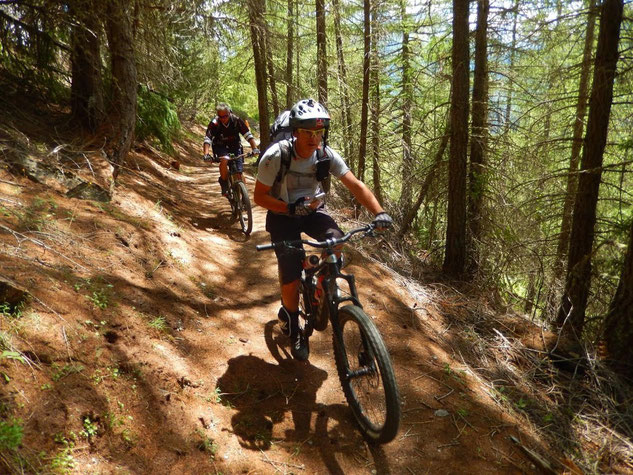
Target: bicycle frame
<point>328,267</point>
<point>234,175</point>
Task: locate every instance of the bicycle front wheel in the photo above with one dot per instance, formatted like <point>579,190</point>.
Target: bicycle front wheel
<point>244,211</point>
<point>366,374</point>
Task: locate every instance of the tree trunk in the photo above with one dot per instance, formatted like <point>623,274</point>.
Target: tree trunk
<point>271,67</point>
<point>362,149</point>
<point>513,47</point>
<point>124,83</point>
<point>479,136</point>
<point>342,71</point>
<point>321,52</point>
<point>413,211</point>
<point>455,256</point>
<point>290,96</point>
<point>86,91</point>
<point>256,16</point>
<point>572,178</point>
<point>618,326</point>
<point>571,314</point>
<point>297,87</point>
<point>375,112</point>
<point>407,107</point>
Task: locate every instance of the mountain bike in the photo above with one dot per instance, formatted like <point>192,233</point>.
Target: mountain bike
<point>237,194</point>
<point>362,359</point>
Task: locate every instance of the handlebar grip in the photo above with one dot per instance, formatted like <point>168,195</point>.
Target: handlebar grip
<point>264,247</point>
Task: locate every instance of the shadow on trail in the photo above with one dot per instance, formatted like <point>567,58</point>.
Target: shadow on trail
<point>262,393</point>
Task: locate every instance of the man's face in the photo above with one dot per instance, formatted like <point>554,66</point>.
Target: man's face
<point>223,116</point>
<point>310,138</point>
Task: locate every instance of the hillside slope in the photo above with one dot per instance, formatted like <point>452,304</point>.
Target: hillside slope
<point>148,342</point>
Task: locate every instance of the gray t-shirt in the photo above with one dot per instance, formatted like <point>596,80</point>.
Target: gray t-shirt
<point>300,179</point>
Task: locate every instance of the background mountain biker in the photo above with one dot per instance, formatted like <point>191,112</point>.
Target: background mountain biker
<point>223,135</point>
<point>292,209</point>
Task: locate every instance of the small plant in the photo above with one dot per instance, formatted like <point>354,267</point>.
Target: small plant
<point>64,461</point>
<point>521,403</point>
<point>90,429</point>
<point>158,323</point>
<point>99,292</point>
<point>205,443</point>
<point>462,412</point>
<point>112,420</point>
<point>12,355</point>
<point>66,370</point>
<point>36,215</point>
<point>129,437</point>
<point>98,377</point>
<point>12,311</point>
<point>99,298</point>
<point>10,434</point>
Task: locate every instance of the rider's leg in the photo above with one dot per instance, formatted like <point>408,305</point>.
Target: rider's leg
<point>283,228</point>
<point>224,168</point>
<point>290,295</point>
<point>224,174</point>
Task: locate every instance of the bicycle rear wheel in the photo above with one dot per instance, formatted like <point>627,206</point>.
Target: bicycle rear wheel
<point>364,368</point>
<point>243,205</point>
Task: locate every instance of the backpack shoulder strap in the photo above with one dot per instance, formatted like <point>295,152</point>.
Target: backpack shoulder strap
<point>324,159</point>
<point>285,148</point>
<point>286,155</point>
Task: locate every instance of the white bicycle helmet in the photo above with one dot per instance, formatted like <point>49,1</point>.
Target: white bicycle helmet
<point>308,113</point>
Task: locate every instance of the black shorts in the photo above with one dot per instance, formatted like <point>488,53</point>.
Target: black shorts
<point>318,225</point>
<point>224,151</point>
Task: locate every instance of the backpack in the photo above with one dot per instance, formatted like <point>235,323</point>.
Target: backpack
<point>280,129</point>
<point>281,133</point>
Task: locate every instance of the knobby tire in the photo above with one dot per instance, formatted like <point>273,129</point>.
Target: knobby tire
<point>243,206</point>
<point>373,397</point>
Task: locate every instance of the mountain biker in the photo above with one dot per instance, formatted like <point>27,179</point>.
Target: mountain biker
<point>223,135</point>
<point>292,209</point>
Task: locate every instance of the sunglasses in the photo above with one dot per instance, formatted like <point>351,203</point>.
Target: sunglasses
<point>312,132</point>
<point>223,116</point>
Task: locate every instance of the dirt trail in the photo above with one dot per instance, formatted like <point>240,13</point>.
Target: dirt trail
<point>184,369</point>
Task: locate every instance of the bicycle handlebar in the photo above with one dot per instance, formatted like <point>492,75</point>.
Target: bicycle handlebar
<point>237,157</point>
<point>367,229</point>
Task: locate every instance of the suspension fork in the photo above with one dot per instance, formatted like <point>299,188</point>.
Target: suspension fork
<point>331,291</point>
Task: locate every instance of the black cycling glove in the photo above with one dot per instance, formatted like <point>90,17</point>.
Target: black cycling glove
<point>382,221</point>
<point>299,208</point>
<point>206,157</point>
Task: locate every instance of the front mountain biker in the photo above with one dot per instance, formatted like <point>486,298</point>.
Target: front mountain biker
<point>223,136</point>
<point>291,209</point>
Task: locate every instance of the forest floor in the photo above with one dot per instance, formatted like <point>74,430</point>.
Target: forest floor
<point>149,342</point>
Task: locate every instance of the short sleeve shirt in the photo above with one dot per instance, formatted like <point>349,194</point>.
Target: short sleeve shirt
<point>300,179</point>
